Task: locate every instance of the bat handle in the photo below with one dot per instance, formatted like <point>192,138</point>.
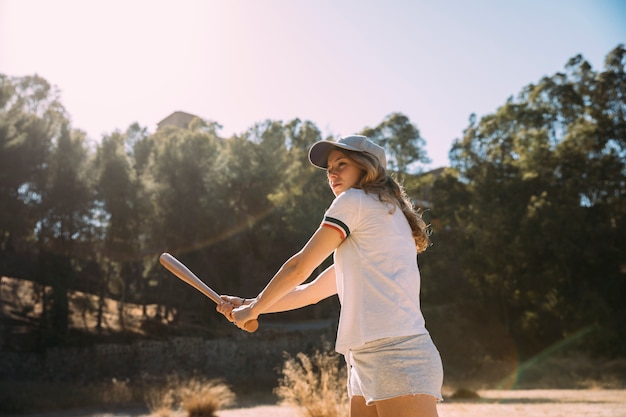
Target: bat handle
<point>251,326</point>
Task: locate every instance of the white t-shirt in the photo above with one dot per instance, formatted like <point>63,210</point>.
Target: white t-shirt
<point>378,280</point>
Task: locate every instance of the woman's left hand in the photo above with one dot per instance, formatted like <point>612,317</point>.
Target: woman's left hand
<point>228,305</point>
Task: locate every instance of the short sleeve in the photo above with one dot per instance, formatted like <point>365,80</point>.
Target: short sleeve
<point>343,214</point>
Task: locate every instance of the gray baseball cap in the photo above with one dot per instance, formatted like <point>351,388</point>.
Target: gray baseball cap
<point>318,154</point>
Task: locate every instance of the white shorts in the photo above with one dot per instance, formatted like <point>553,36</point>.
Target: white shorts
<point>393,367</point>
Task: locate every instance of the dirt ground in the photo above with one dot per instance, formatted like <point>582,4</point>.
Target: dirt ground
<point>535,403</point>
<point>522,403</point>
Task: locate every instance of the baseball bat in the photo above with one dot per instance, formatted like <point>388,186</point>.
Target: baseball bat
<point>183,273</point>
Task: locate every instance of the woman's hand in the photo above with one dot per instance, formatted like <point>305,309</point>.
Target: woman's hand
<point>229,304</point>
<point>244,314</point>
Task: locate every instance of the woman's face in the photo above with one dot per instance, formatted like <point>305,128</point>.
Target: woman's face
<point>342,173</point>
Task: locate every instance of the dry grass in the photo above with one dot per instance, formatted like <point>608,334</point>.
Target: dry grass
<point>315,384</point>
<point>196,396</point>
<point>22,397</point>
<point>160,399</point>
<point>113,392</point>
<point>203,398</point>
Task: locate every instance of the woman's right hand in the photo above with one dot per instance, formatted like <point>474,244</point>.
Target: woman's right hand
<point>243,315</point>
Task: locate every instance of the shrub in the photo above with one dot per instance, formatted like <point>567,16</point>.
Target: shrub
<point>198,396</point>
<point>202,398</point>
<point>316,384</point>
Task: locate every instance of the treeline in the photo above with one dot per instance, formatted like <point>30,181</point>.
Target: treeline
<point>528,222</point>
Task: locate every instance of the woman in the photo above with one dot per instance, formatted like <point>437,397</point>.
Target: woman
<point>394,368</point>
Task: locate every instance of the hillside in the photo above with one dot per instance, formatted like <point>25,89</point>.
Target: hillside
<point>475,348</point>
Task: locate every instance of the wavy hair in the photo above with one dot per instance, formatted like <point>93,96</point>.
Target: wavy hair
<point>376,180</point>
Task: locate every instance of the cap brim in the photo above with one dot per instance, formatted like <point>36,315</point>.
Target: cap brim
<point>318,154</point>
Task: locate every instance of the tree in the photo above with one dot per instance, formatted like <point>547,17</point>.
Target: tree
<point>30,113</point>
<point>182,186</point>
<point>118,193</point>
<point>402,142</point>
<point>65,209</point>
<point>545,213</point>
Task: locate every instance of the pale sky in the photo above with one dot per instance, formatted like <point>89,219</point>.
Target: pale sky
<point>342,64</point>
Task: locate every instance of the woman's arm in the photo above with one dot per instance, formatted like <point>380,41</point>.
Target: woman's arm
<point>292,274</point>
<point>303,295</point>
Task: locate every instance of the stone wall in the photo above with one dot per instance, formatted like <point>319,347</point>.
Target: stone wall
<point>258,355</point>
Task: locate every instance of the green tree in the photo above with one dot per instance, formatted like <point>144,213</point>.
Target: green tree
<point>119,196</point>
<point>543,180</point>
<point>303,194</point>
<point>29,113</point>
<point>182,186</point>
<point>65,214</point>
<point>402,142</point>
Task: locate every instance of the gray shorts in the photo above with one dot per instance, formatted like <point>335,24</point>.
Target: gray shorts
<point>394,367</point>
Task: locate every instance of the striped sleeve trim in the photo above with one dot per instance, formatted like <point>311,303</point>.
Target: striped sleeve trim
<point>338,225</point>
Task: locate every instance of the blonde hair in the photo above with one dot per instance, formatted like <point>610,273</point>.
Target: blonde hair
<point>376,180</point>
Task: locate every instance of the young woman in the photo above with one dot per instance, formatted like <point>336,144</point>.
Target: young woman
<point>394,369</point>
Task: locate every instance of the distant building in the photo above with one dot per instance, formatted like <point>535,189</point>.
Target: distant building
<point>178,119</point>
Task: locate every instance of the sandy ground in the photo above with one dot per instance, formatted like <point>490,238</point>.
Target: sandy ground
<point>541,403</point>
<point>535,403</point>
<point>523,403</point>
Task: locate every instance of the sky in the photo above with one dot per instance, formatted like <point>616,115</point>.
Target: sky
<point>342,64</point>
